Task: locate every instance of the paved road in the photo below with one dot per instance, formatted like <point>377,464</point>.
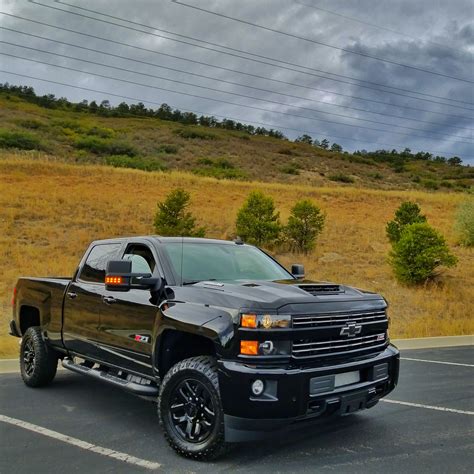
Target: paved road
<point>420,436</point>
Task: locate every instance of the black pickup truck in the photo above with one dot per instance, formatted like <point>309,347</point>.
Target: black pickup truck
<point>230,344</point>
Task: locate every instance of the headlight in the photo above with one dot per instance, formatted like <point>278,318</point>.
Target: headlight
<point>265,348</point>
<point>265,321</point>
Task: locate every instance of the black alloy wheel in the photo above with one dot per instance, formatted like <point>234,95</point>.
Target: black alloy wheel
<point>29,357</point>
<point>38,362</point>
<point>192,412</point>
<point>190,409</point>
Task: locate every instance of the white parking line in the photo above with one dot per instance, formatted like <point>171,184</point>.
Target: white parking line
<point>437,362</point>
<point>429,407</point>
<point>81,444</point>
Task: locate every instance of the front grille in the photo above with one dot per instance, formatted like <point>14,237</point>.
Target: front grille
<point>306,348</point>
<point>339,319</point>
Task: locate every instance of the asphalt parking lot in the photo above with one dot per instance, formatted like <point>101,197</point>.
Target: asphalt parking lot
<point>82,425</point>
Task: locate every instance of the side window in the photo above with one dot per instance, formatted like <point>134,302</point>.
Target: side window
<point>141,257</point>
<point>94,269</point>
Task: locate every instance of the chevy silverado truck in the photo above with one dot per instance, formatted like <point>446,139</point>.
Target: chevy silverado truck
<point>231,345</point>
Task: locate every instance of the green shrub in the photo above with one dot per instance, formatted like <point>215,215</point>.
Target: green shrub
<point>32,124</point>
<point>206,161</point>
<point>465,223</point>
<point>341,178</point>
<point>288,152</point>
<point>290,168</point>
<point>139,163</point>
<point>376,176</point>
<point>173,219</point>
<point>101,132</point>
<point>304,225</point>
<point>220,169</point>
<point>105,146</point>
<point>418,253</point>
<point>220,173</point>
<point>257,222</point>
<point>408,213</point>
<point>20,140</point>
<point>193,133</point>
<point>169,149</point>
<point>431,184</point>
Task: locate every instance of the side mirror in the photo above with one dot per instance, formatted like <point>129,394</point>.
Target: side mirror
<point>119,277</point>
<point>298,271</point>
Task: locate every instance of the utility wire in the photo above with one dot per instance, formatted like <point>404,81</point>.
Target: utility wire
<point>147,101</point>
<point>320,43</point>
<point>94,50</point>
<point>234,71</point>
<point>212,89</point>
<point>373,25</point>
<point>219,100</point>
<point>255,56</point>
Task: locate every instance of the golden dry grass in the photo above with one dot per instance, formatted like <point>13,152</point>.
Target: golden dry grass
<point>50,211</point>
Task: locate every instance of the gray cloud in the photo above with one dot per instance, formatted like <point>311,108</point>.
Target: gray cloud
<point>445,44</point>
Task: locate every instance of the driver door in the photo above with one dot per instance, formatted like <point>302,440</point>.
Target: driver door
<point>127,318</point>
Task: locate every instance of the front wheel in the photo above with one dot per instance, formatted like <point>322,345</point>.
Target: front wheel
<point>190,409</point>
<point>38,363</point>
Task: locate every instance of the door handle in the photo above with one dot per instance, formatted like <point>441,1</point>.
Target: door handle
<point>71,295</point>
<point>109,299</point>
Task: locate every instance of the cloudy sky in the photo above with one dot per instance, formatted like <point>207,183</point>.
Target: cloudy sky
<point>415,90</point>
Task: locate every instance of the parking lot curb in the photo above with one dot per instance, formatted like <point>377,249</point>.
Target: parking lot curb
<point>434,342</point>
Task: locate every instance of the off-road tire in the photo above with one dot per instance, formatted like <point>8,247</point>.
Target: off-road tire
<point>204,370</point>
<point>38,363</point>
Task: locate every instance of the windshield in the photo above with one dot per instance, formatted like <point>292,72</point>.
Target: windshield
<point>222,262</point>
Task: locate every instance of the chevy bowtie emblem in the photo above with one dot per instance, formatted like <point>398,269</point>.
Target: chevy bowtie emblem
<point>351,329</point>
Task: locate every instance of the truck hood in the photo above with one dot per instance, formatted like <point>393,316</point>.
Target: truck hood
<point>294,296</point>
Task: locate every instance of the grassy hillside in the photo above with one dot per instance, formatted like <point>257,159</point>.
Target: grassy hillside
<point>154,144</point>
<point>50,211</point>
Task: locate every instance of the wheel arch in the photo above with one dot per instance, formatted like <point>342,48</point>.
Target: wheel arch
<point>28,316</point>
<point>175,345</point>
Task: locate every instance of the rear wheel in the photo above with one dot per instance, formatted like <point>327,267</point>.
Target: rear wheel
<point>38,363</point>
<point>190,409</point>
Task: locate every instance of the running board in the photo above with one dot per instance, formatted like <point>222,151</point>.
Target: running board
<point>139,389</point>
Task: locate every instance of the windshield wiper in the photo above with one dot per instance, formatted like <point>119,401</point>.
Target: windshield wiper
<point>193,282</point>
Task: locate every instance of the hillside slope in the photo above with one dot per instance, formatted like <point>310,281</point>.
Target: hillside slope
<point>154,144</point>
<point>50,211</point>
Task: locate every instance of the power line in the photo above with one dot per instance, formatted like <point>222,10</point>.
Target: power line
<point>373,25</point>
<point>256,56</point>
<point>235,71</point>
<point>320,43</point>
<point>107,93</point>
<point>176,81</point>
<point>94,50</point>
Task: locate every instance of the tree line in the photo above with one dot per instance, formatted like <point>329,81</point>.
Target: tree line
<point>166,112</point>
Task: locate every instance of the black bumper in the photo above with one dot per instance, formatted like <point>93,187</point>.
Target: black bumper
<point>297,396</point>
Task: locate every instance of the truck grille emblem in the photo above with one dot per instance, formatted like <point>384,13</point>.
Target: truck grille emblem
<point>351,329</point>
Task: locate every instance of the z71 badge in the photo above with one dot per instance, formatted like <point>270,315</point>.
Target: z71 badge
<point>140,338</point>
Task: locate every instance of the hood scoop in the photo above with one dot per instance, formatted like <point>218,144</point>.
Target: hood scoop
<point>322,289</point>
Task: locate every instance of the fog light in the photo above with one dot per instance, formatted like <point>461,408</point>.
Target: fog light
<point>257,387</point>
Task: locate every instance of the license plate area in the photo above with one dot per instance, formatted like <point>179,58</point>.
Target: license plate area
<point>328,383</point>
<point>346,378</point>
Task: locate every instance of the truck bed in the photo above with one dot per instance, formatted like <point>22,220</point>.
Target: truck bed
<point>46,294</point>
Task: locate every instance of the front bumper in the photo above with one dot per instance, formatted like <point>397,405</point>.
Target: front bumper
<point>297,395</point>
